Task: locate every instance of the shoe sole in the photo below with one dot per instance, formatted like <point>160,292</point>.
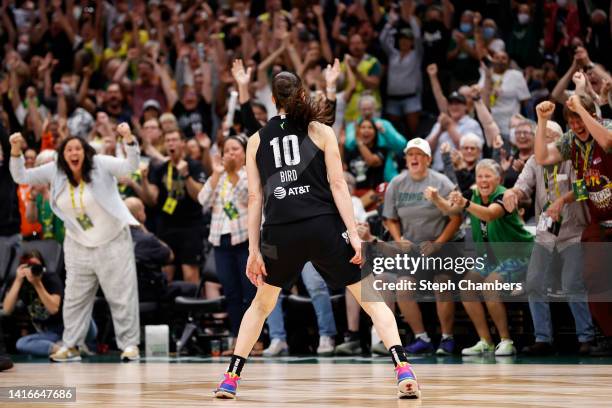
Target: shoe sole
<point>65,360</point>
<point>222,394</point>
<point>408,389</point>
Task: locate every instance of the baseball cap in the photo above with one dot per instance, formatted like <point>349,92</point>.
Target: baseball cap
<point>418,143</point>
<point>151,103</point>
<point>456,97</point>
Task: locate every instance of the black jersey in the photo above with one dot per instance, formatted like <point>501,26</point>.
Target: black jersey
<point>293,174</point>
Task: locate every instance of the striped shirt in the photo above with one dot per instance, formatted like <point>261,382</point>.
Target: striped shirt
<point>226,195</point>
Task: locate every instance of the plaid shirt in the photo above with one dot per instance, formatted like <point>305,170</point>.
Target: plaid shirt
<point>238,195</point>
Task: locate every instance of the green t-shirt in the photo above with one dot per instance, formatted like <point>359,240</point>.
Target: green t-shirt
<point>52,225</point>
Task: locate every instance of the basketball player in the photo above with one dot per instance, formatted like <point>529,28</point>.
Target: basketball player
<point>295,171</point>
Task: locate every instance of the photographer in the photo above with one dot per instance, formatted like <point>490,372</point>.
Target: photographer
<point>42,294</point>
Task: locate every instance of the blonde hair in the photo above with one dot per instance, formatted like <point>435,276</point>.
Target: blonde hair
<point>491,165</point>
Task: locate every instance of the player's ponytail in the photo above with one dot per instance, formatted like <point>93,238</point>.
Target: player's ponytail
<point>289,95</point>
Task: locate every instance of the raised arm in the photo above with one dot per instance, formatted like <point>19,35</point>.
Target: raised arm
<point>262,68</point>
<point>558,93</point>
<point>601,134</point>
<point>166,82</point>
<point>545,153</point>
<point>323,40</point>
<point>123,167</point>
<point>21,175</point>
<point>491,130</point>
<point>441,101</point>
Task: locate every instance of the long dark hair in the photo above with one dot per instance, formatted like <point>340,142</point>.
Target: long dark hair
<point>371,122</point>
<point>290,95</point>
<point>88,161</point>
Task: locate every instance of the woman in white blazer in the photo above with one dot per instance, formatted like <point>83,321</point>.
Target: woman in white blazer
<point>98,247</point>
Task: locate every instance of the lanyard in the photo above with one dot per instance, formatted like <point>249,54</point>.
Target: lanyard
<point>224,189</point>
<point>169,178</point>
<point>81,192</point>
<point>46,216</point>
<point>586,156</point>
<point>557,191</point>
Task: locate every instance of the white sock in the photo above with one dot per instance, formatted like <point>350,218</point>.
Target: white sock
<point>446,336</point>
<point>423,336</point>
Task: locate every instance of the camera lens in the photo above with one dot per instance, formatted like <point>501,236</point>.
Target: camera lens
<point>36,269</point>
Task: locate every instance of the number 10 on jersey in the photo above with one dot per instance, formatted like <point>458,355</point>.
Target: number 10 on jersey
<point>291,151</point>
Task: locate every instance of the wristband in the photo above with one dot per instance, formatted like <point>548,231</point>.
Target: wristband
<point>465,207</point>
<point>330,89</point>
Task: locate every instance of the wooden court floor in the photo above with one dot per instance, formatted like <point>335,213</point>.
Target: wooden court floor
<point>320,385</point>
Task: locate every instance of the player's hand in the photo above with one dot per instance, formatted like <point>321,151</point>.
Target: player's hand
<point>256,268</point>
<point>356,244</point>
<point>545,110</point>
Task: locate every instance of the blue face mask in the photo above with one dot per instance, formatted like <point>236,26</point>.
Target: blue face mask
<point>488,32</point>
<point>465,27</point>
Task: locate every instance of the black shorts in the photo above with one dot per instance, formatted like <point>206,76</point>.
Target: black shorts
<point>186,243</point>
<point>321,240</point>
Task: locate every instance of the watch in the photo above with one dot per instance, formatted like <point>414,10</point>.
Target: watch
<point>467,204</point>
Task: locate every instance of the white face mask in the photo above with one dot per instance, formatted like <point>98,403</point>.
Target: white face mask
<point>523,18</point>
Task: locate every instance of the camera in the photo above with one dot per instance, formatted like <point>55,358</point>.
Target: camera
<point>36,268</point>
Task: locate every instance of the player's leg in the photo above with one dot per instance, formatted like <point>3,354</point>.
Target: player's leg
<point>386,327</point>
<point>250,328</point>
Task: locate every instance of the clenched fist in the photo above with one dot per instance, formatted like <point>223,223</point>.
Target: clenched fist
<point>125,132</point>
<point>573,103</point>
<point>545,110</point>
<point>432,70</point>
<point>16,141</point>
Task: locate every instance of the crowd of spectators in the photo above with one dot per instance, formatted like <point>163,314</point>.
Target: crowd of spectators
<point>440,106</point>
